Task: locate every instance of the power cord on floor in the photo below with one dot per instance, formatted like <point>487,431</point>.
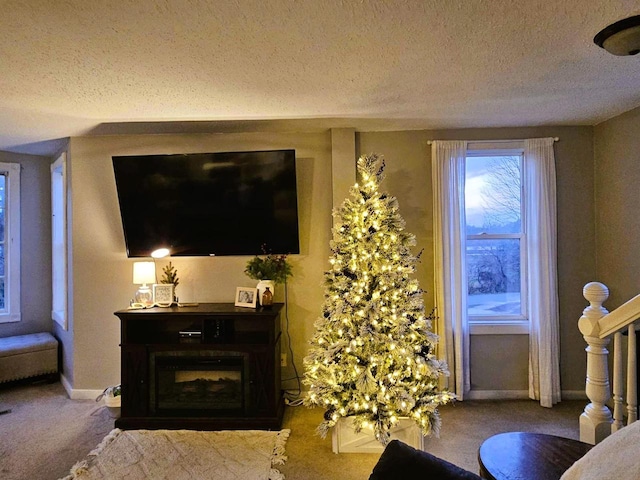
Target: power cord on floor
<point>291,397</point>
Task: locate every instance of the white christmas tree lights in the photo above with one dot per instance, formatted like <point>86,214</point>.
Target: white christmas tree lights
<point>372,354</point>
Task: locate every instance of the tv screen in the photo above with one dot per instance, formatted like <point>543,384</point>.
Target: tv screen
<point>230,203</point>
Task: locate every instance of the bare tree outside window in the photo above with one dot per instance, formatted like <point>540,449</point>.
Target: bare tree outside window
<point>501,201</point>
<point>494,233</point>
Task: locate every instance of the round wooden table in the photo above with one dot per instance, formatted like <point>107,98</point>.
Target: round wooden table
<point>528,456</point>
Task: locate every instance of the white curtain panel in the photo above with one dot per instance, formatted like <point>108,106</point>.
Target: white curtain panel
<point>448,177</point>
<point>541,233</point>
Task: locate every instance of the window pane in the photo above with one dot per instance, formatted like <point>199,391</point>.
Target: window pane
<point>3,192</point>
<point>492,194</point>
<point>493,277</point>
<point>3,203</point>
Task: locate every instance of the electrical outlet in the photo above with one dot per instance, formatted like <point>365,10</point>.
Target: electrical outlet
<point>283,359</point>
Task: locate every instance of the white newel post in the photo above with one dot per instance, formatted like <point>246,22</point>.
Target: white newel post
<point>595,421</point>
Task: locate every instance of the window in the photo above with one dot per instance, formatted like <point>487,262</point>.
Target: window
<point>9,242</point>
<point>59,241</point>
<point>495,242</point>
<point>510,286</point>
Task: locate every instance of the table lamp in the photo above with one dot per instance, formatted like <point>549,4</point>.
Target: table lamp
<point>144,273</point>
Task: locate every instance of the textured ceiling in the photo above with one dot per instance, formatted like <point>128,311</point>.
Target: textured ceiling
<point>77,67</point>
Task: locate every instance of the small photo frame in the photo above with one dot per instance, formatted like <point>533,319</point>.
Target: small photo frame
<point>246,297</point>
<point>163,294</point>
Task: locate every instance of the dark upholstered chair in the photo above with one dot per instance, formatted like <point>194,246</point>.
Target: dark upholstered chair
<point>400,460</point>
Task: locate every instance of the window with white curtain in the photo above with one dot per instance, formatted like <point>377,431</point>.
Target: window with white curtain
<point>495,248</point>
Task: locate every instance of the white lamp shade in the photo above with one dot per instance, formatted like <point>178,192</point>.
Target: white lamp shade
<point>144,272</point>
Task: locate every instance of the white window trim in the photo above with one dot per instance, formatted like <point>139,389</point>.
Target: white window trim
<point>59,241</point>
<point>512,324</point>
<point>507,327</point>
<point>12,312</point>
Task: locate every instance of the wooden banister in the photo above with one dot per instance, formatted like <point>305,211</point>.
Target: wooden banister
<point>632,377</point>
<point>596,325</point>
<point>621,317</point>
<point>618,391</point>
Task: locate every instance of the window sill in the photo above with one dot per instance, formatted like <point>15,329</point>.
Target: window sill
<point>499,328</point>
<point>10,317</point>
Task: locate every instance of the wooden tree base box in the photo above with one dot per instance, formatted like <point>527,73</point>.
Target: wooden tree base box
<point>345,440</point>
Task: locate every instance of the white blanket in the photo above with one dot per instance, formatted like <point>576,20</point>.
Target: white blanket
<point>615,458</point>
<point>184,455</point>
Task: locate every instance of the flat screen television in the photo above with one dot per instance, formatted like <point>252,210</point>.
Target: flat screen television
<point>203,204</point>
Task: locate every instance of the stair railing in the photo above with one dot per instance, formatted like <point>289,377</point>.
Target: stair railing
<point>597,325</point>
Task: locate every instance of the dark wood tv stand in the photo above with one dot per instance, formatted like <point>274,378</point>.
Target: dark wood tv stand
<point>231,341</point>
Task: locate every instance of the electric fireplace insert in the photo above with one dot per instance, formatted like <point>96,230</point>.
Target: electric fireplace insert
<point>198,383</point>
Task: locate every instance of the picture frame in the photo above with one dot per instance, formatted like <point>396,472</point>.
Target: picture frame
<point>163,294</point>
<point>246,297</point>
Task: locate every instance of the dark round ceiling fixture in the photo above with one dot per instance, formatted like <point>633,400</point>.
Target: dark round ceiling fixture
<point>621,37</point>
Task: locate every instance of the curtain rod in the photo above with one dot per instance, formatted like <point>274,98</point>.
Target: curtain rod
<point>555,139</point>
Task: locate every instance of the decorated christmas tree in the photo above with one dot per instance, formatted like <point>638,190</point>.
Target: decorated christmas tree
<point>372,354</point>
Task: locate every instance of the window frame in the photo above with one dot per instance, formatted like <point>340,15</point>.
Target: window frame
<point>59,247</point>
<point>12,310</point>
<point>502,324</point>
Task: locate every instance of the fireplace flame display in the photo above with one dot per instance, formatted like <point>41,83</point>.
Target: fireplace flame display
<point>193,384</point>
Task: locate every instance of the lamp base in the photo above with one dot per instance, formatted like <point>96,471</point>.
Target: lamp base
<point>144,296</point>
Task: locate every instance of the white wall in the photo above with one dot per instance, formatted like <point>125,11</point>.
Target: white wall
<point>617,179</point>
<point>102,273</point>
<point>35,226</point>
<point>409,179</point>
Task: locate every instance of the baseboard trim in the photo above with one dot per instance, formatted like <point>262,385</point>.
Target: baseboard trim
<point>65,383</point>
<point>82,394</point>
<point>497,395</point>
<point>76,393</point>
<point>519,395</point>
<point>574,395</point>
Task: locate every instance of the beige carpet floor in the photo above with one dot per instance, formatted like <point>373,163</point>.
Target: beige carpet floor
<point>46,433</point>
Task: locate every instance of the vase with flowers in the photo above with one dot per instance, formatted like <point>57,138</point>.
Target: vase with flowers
<point>269,270</point>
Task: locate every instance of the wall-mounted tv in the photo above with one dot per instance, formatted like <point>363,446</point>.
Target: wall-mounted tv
<point>197,204</point>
